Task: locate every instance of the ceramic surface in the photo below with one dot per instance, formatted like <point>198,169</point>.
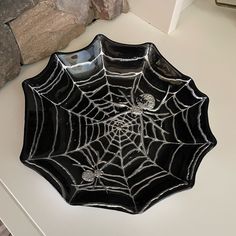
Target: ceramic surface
<point>115,126</point>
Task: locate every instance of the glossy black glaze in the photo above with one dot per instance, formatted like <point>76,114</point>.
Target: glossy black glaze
<point>115,126</point>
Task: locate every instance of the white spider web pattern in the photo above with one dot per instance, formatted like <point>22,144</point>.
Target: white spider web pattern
<point>127,145</point>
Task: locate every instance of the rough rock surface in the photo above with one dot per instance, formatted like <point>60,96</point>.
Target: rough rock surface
<point>109,9</point>
<point>43,30</point>
<point>10,9</point>
<point>3,230</point>
<point>87,10</point>
<point>82,9</point>
<point>9,55</point>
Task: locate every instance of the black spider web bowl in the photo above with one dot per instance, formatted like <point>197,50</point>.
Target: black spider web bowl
<point>115,126</point>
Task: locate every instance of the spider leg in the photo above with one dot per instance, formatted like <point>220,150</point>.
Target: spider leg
<point>95,183</point>
<point>100,181</point>
<point>162,101</point>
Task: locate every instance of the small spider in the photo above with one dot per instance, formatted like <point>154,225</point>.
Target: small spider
<point>143,106</point>
<point>89,175</point>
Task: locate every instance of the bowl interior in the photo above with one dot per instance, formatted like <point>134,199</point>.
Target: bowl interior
<point>115,126</point>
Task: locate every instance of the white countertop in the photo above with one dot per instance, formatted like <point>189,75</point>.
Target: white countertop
<point>203,47</point>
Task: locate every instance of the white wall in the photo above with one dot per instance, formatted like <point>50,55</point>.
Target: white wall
<point>163,14</point>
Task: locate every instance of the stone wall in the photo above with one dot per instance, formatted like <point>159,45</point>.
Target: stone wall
<point>3,230</point>
<point>31,30</point>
